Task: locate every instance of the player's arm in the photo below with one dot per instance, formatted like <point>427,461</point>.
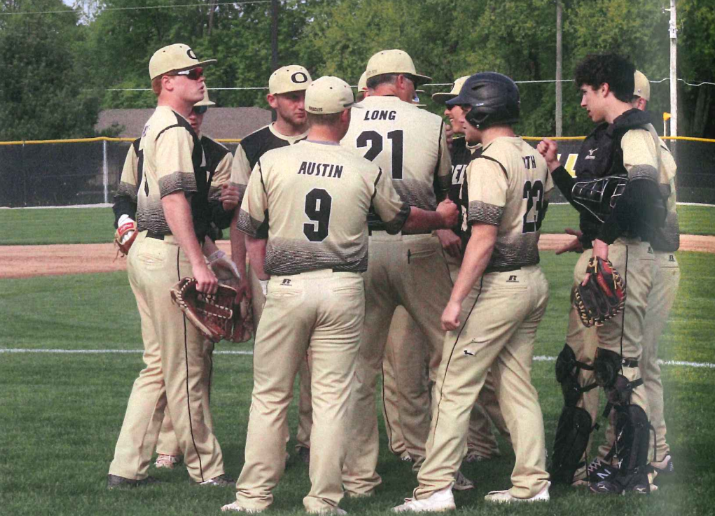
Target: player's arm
<point>443,167</point>
<point>125,199</point>
<point>252,221</point>
<point>563,180</point>
<point>221,194</point>
<point>240,174</point>
<point>177,180</point>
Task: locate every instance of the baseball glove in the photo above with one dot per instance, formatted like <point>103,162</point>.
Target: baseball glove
<point>213,315</point>
<point>125,235</point>
<point>603,296</point>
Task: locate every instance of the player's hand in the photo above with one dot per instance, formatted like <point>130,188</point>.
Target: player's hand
<point>600,250</point>
<point>451,243</point>
<point>549,150</point>
<point>449,133</point>
<point>449,212</point>
<point>575,246</point>
<point>450,316</point>
<point>229,196</point>
<point>205,278</point>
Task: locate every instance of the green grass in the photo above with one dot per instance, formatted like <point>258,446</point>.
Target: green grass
<point>60,414</point>
<point>95,225</point>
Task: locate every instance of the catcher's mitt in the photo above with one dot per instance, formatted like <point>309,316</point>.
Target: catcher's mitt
<point>603,296</point>
<point>125,235</point>
<point>213,315</point>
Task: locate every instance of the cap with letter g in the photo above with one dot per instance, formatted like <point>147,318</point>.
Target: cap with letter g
<point>642,86</point>
<point>287,79</point>
<point>328,95</point>
<point>394,61</point>
<point>442,97</point>
<point>174,58</point>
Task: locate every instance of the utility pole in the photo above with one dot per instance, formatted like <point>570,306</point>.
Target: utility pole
<point>673,32</point>
<point>559,93</point>
<point>274,43</point>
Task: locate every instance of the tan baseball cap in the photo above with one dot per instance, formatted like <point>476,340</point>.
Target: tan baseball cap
<point>642,86</point>
<point>174,58</point>
<point>328,95</point>
<point>456,88</point>
<point>394,61</point>
<point>287,79</point>
<point>362,83</point>
<point>205,101</point>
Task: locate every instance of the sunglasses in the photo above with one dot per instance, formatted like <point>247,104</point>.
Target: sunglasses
<point>200,110</point>
<point>194,74</point>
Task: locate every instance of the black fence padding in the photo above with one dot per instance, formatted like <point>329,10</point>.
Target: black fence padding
<point>67,174</point>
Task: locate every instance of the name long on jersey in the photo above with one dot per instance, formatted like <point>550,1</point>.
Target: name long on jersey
<point>313,199</point>
<point>408,144</point>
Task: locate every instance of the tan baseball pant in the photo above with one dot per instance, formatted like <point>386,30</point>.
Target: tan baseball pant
<point>175,356</point>
<point>499,321</point>
<point>305,418</point>
<point>666,278</point>
<point>323,311</point>
<point>407,270</point>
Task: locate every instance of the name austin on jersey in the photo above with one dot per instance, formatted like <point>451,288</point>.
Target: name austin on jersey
<point>310,168</point>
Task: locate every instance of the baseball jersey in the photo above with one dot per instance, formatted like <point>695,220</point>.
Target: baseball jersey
<point>509,185</point>
<point>408,144</point>
<point>462,154</point>
<point>125,198</point>
<point>251,148</point>
<point>667,238</point>
<point>314,197</point>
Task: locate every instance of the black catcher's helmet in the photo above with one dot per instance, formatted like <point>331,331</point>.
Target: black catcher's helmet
<point>494,99</point>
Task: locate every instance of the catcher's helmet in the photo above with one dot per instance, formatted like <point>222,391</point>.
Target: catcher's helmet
<point>494,99</point>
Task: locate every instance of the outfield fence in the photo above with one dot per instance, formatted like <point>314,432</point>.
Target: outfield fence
<point>87,171</point>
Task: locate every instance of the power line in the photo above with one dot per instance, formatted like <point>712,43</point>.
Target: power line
<point>70,10</point>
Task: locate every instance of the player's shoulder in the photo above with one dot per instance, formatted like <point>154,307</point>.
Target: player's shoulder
<point>209,143</point>
<point>256,137</point>
<point>163,120</point>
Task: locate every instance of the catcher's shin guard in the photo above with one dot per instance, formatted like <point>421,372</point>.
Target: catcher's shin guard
<point>570,443</point>
<point>608,366</point>
<point>567,368</point>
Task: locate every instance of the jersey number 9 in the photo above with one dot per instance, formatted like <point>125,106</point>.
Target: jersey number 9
<point>318,204</point>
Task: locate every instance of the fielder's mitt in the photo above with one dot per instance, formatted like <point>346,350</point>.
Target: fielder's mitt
<point>125,235</point>
<point>213,315</point>
<point>603,296</point>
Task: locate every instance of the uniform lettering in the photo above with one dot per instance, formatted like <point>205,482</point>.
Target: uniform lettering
<point>309,168</point>
<point>381,114</point>
<point>529,162</point>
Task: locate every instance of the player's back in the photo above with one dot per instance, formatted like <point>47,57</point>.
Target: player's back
<point>406,142</point>
<point>516,199</point>
<point>318,198</point>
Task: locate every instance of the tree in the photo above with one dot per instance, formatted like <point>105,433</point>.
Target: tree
<point>42,92</point>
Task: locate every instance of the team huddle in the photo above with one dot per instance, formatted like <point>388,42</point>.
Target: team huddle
<point>370,238</point>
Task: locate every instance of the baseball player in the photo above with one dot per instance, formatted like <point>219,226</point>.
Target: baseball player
<point>496,304</point>
<point>666,278</point>
<point>409,144</point>
<point>313,198</point>
<point>623,145</point>
<point>286,95</point>
<point>174,202</point>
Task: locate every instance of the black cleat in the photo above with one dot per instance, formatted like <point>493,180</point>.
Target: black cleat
<point>636,482</point>
<point>219,481</point>
<point>115,481</point>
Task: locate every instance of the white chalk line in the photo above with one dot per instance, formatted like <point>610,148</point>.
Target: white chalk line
<point>537,358</point>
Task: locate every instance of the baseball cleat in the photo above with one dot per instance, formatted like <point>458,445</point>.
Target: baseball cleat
<point>665,466</point>
<point>474,456</point>
<point>405,457</point>
<point>330,510</point>
<point>167,461</point>
<point>507,497</point>
<point>115,481</point>
<point>620,484</point>
<point>439,501</point>
<point>219,481</point>
<point>238,508</point>
<point>598,471</point>
<point>462,483</point>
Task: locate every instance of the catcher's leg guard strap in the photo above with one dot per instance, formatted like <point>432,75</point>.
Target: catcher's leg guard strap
<point>567,368</point>
<point>570,443</point>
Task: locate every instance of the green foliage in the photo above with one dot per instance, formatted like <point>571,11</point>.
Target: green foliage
<point>42,84</point>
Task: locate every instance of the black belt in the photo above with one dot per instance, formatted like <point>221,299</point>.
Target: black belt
<point>370,231</point>
<point>503,268</point>
<point>157,236</point>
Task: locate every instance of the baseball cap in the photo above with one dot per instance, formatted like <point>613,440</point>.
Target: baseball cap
<point>642,86</point>
<point>205,101</point>
<point>362,83</point>
<point>287,79</point>
<point>456,88</point>
<point>328,95</point>
<point>394,61</point>
<point>174,58</point>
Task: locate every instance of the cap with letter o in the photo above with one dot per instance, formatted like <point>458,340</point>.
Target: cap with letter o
<point>328,95</point>
<point>362,83</point>
<point>287,79</point>
<point>394,61</point>
<point>174,58</point>
<point>443,97</point>
<point>642,86</point>
<point>205,101</point>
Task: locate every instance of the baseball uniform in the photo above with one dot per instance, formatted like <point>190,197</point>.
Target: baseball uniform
<point>313,198</point>
<point>409,145</point>
<point>508,187</point>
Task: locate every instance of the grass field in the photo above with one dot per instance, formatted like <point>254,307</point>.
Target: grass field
<point>94,225</point>
<point>60,414</point>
